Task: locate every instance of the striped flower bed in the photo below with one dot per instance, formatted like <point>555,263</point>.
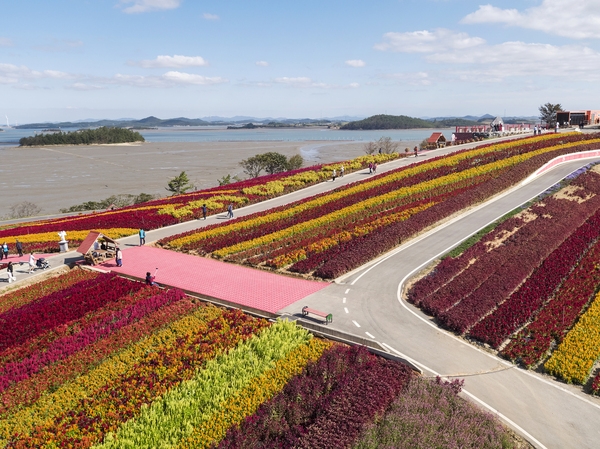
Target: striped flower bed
<point>332,233</point>
<point>41,236</point>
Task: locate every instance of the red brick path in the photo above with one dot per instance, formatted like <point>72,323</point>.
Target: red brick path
<point>245,286</point>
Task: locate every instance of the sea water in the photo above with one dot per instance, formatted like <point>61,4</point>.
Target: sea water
<point>10,137</point>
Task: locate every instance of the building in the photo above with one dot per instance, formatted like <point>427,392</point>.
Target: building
<point>578,118</point>
<point>437,140</point>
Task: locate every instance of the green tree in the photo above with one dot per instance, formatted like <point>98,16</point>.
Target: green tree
<point>295,162</point>
<point>252,166</point>
<point>273,162</point>
<point>548,113</point>
<point>179,184</point>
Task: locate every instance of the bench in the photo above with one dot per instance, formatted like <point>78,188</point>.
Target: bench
<point>328,316</point>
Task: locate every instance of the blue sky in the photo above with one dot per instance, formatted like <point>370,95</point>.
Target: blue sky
<point>79,59</point>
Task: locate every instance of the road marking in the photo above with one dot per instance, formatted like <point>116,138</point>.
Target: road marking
<point>346,309</point>
<point>347,290</point>
<point>355,323</point>
<point>344,301</point>
<point>370,335</point>
<point>475,398</point>
<point>374,263</point>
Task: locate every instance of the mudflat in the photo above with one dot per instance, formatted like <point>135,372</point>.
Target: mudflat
<point>55,177</point>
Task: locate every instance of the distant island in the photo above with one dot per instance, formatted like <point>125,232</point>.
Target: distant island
<point>103,135</point>
<point>383,121</point>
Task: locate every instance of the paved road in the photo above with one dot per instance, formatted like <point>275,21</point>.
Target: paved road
<point>368,302</point>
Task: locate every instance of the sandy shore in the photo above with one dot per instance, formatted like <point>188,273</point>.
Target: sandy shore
<point>61,176</point>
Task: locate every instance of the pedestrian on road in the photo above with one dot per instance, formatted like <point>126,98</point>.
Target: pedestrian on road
<point>342,171</point>
<point>9,271</point>
<point>333,175</point>
<point>142,237</point>
<point>370,167</point>
<point>556,127</point>
<point>204,211</point>
<point>5,250</point>
<point>31,263</point>
<point>374,167</point>
<point>230,211</point>
<point>416,150</point>
<point>535,130</point>
<point>19,248</point>
<point>119,257</point>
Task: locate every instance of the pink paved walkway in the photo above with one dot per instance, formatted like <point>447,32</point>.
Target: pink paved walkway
<point>245,286</point>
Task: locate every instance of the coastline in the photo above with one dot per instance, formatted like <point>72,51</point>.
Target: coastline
<point>56,177</point>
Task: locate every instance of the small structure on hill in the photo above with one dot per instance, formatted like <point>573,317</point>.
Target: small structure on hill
<point>437,140</point>
<point>96,248</point>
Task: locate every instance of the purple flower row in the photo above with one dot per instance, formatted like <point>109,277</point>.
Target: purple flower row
<point>17,371</point>
<point>328,405</point>
<point>34,318</point>
<point>521,305</point>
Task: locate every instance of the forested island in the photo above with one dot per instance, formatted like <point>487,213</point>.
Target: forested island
<point>383,121</point>
<point>103,135</point>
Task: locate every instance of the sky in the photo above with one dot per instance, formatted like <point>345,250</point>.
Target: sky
<point>93,59</point>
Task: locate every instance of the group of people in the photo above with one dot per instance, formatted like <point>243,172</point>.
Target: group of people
<point>537,130</point>
<point>4,249</point>
<point>372,167</point>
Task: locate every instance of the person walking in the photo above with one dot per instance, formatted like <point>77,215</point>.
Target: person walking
<point>5,250</point>
<point>230,211</point>
<point>416,151</point>
<point>142,234</point>
<point>370,167</point>
<point>31,263</point>
<point>9,271</point>
<point>19,246</point>
<point>374,167</point>
<point>333,175</point>
<point>204,210</point>
<point>556,127</point>
<point>342,171</point>
<point>119,257</point>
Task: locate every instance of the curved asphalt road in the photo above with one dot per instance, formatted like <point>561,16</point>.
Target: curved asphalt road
<point>368,302</point>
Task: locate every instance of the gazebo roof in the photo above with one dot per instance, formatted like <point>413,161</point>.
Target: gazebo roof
<point>88,242</point>
<point>435,137</point>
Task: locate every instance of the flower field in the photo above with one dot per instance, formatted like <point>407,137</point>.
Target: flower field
<point>92,360</point>
<point>329,234</point>
<point>41,236</point>
<point>529,285</point>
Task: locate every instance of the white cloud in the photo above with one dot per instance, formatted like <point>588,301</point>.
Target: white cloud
<point>209,16</point>
<point>10,73</point>
<point>84,87</point>
<point>577,20</point>
<point>169,79</point>
<point>353,85</point>
<point>149,5</point>
<point>300,81</point>
<point>518,59</point>
<point>413,78</point>
<point>6,42</point>
<point>59,45</point>
<point>189,78</point>
<point>175,61</point>
<point>356,63</point>
<point>262,63</point>
<point>427,41</point>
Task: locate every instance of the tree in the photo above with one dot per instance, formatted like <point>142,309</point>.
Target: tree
<point>548,113</point>
<point>179,184</point>
<point>24,209</point>
<point>295,162</point>
<point>386,145</point>
<point>252,166</point>
<point>370,147</point>
<point>274,162</point>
